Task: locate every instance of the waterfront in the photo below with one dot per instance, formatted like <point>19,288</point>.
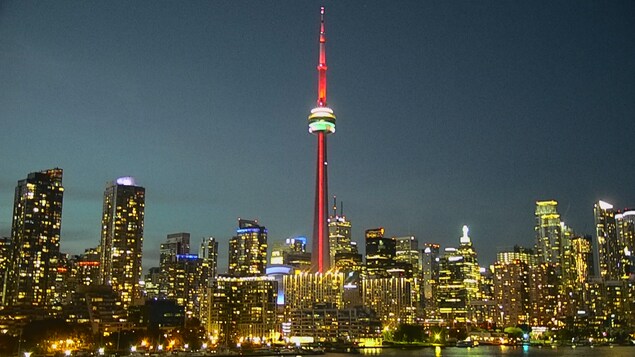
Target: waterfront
<point>616,351</point>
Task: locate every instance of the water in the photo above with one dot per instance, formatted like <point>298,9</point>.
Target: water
<point>521,351</point>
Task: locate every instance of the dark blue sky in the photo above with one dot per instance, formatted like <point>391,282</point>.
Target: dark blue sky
<point>449,113</point>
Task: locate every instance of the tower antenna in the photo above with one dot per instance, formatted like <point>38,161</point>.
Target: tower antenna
<point>321,101</point>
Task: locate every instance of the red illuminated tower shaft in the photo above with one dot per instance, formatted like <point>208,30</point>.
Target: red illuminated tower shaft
<point>321,260</point>
<point>321,123</point>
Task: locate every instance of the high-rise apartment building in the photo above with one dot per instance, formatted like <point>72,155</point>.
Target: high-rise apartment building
<point>5,260</point>
<point>582,252</point>
<point>185,281</point>
<point>248,249</point>
<point>177,244</point>
<point>303,289</point>
<point>74,273</point>
<point>543,287</point>
<point>152,284</point>
<point>208,254</point>
<point>511,291</point>
<point>407,255</point>
<point>429,278</point>
<point>122,238</point>
<point>35,239</point>
<point>548,237</point>
<point>327,323</point>
<point>87,267</point>
<point>606,247</point>
<point>394,299</point>
<point>243,309</point>
<point>339,234</point>
<point>380,253</point>
<point>626,239</point>
<point>243,302</point>
<point>567,273</point>
<point>186,278</point>
<point>208,251</point>
<point>608,304</point>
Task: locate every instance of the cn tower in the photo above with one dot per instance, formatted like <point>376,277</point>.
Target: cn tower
<point>321,123</point>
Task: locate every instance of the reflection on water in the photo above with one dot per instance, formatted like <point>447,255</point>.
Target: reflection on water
<point>371,351</point>
<point>505,351</point>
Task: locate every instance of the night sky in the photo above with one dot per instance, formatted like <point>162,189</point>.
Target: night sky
<point>449,113</point>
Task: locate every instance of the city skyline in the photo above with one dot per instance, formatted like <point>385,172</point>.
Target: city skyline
<point>452,114</point>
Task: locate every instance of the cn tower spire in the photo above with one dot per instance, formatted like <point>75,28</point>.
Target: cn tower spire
<point>321,101</point>
<point>321,123</point>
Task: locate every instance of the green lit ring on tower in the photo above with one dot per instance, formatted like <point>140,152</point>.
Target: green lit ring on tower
<point>322,119</point>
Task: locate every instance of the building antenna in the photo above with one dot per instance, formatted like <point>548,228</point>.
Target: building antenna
<point>334,206</point>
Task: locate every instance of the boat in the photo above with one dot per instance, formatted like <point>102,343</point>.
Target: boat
<point>466,343</point>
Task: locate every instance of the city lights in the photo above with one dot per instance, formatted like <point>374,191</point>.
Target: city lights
<point>558,283</point>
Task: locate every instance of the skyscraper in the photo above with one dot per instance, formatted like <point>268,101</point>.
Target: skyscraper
<point>459,279</point>
<point>339,234</point>
<point>248,250</point>
<point>511,286</point>
<point>209,253</point>
<point>35,238</point>
<point>394,299</point>
<point>175,245</point>
<point>176,265</point>
<point>5,261</point>
<point>548,237</point>
<point>606,247</point>
<point>243,308</point>
<point>626,238</point>
<point>380,253</point>
<point>429,277</point>
<point>122,238</point>
<point>408,255</point>
<point>321,123</point>
<point>582,258</point>
<point>243,302</point>
<point>87,267</point>
<point>543,290</point>
<point>303,289</point>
